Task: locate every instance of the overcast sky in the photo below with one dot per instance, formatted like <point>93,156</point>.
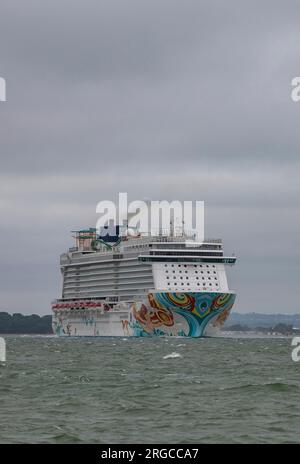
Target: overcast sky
<point>163,99</point>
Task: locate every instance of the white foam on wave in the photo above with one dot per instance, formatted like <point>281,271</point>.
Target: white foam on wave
<point>172,355</point>
<point>247,334</point>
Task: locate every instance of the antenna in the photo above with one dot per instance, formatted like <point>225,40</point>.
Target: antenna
<point>171,229</point>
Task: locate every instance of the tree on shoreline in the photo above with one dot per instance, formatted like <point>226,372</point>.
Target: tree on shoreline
<point>20,324</point>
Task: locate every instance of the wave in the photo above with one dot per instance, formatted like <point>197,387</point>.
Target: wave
<point>172,355</point>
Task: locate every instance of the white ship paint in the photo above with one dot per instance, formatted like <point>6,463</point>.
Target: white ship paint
<point>142,286</point>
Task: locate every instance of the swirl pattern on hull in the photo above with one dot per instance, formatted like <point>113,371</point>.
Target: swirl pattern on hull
<point>179,313</point>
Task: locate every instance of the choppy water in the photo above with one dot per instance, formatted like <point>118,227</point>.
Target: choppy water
<point>149,390</point>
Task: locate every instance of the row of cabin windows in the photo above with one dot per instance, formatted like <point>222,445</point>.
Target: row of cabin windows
<point>185,265</point>
<point>198,283</point>
<point>186,272</point>
<point>202,287</point>
<point>197,278</point>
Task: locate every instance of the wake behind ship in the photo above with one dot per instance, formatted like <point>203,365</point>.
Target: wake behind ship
<point>142,285</point>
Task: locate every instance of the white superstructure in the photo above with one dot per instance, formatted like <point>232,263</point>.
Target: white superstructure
<point>123,287</point>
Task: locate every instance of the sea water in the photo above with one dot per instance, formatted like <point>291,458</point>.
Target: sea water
<point>149,390</point>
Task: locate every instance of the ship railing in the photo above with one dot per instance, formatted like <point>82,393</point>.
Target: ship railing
<point>143,239</point>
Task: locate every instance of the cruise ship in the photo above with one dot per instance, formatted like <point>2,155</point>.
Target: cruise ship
<point>142,285</point>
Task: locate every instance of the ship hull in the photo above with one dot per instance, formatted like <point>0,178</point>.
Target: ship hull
<point>167,314</point>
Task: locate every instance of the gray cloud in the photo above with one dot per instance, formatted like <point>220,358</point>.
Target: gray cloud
<point>162,99</point>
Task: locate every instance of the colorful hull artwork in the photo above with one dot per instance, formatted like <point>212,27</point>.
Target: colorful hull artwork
<point>184,314</point>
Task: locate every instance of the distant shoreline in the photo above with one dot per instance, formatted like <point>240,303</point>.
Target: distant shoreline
<point>20,324</point>
<point>252,323</point>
